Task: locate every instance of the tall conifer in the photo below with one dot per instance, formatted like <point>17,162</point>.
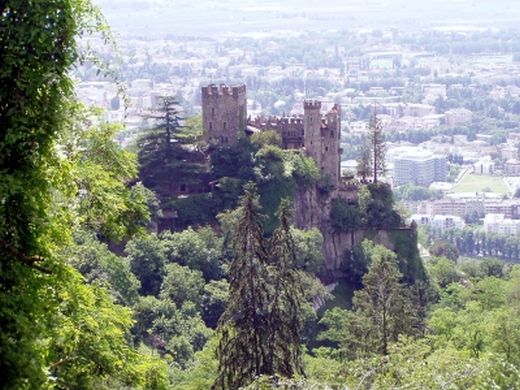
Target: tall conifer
<point>285,315</point>
<point>377,145</point>
<point>244,326</point>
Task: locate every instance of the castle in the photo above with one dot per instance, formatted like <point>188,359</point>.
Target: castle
<point>225,120</point>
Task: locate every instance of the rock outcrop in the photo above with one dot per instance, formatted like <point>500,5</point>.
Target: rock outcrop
<point>312,210</point>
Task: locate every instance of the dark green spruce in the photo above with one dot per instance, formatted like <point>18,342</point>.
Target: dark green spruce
<point>244,326</point>
<point>260,329</point>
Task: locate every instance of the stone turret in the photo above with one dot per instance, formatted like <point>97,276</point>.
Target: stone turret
<point>322,139</point>
<point>331,144</point>
<point>312,130</point>
<point>224,113</point>
<point>224,116</point>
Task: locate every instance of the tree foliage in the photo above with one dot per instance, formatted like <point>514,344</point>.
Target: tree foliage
<point>285,314</point>
<point>40,296</point>
<point>163,155</point>
<point>377,147</point>
<point>147,257</point>
<point>444,249</point>
<point>364,162</point>
<point>383,309</point>
<point>244,326</point>
<point>260,328</point>
<point>344,217</point>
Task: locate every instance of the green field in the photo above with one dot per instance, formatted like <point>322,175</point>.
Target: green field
<point>479,183</point>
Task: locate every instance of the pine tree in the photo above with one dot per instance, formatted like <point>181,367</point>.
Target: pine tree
<point>285,315</point>
<point>244,326</point>
<point>377,146</point>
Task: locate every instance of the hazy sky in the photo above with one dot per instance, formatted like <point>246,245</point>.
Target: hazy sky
<point>209,17</point>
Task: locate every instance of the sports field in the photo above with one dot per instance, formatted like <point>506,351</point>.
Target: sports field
<point>480,183</point>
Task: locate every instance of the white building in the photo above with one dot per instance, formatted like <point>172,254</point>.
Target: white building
<point>443,222</point>
<point>509,152</point>
<point>512,167</point>
<point>498,223</point>
<point>458,116</point>
<point>417,166</point>
<point>485,166</point>
<point>438,222</point>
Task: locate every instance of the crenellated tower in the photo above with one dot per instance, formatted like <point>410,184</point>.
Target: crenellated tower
<point>224,113</point>
<point>312,130</point>
<point>224,116</point>
<point>322,135</point>
<point>331,144</point>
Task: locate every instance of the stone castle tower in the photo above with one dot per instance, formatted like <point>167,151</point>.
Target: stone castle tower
<point>322,135</point>
<point>225,120</point>
<point>224,113</point>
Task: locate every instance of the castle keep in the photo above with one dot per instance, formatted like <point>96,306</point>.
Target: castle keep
<point>224,115</point>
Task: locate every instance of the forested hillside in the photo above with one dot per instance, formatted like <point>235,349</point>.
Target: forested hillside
<point>226,295</point>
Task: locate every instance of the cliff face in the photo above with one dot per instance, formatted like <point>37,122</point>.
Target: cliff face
<point>312,209</point>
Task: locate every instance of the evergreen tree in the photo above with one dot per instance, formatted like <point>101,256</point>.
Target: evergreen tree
<point>384,309</point>
<point>384,301</point>
<point>244,326</point>
<point>364,163</point>
<point>377,146</point>
<point>162,157</point>
<point>285,318</point>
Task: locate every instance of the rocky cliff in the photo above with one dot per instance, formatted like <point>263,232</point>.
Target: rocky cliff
<point>312,209</point>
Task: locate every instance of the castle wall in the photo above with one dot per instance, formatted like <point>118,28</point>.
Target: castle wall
<point>290,129</point>
<point>224,113</point>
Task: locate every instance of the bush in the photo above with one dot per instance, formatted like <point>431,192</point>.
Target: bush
<point>304,169</point>
<point>377,207</point>
<point>344,217</point>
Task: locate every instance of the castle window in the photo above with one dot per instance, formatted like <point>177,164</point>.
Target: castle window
<point>183,187</point>
<point>332,134</point>
<point>210,126</point>
<point>326,148</point>
<point>224,126</point>
<point>213,112</point>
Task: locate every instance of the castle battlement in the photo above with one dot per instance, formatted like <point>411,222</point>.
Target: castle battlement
<point>312,104</point>
<point>224,115</point>
<point>224,90</point>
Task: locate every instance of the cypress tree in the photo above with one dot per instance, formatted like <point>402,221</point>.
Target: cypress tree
<point>377,145</point>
